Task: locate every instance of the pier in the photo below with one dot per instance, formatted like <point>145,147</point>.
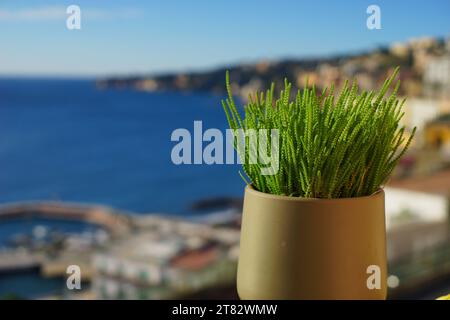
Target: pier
<point>113,221</point>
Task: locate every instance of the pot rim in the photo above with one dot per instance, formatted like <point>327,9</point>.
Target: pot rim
<point>249,189</point>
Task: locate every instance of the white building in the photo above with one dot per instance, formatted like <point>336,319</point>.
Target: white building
<point>166,259</point>
<point>436,77</point>
<point>419,198</point>
<point>417,215</point>
<point>406,205</point>
<point>419,111</point>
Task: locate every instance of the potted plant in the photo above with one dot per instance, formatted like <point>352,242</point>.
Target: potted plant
<point>315,227</point>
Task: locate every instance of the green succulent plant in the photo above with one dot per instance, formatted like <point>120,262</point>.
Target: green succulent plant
<point>329,146</point>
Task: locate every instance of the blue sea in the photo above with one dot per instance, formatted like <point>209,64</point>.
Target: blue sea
<point>67,140</point>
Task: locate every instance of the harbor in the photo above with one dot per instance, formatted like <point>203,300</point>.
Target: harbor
<point>151,256</point>
<point>129,256</point>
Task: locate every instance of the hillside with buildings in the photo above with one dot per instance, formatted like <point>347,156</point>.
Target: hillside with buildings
<point>425,69</point>
<point>424,75</point>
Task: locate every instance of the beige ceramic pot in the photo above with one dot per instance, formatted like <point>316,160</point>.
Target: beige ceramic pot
<point>298,248</point>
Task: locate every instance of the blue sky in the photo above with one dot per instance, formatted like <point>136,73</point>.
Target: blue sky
<point>126,37</point>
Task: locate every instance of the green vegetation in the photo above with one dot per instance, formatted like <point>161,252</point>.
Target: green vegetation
<point>329,147</point>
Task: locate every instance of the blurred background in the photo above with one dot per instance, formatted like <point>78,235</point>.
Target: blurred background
<point>86,115</point>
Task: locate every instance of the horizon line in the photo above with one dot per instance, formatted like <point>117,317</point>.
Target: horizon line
<point>204,69</point>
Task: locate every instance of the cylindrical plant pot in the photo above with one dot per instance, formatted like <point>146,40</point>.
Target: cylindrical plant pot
<point>301,248</point>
